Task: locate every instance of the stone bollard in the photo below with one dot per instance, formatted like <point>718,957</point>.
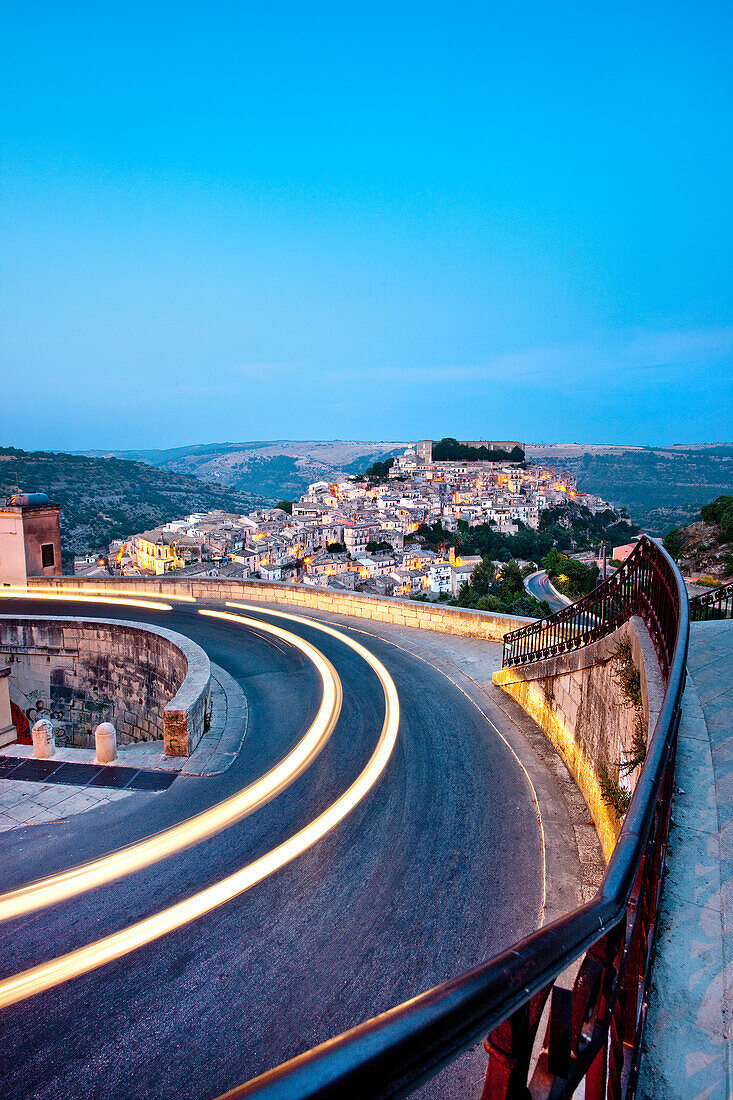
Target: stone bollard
<point>44,741</point>
<point>105,739</point>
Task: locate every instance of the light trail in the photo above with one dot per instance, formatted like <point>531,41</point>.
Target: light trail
<point>317,624</point>
<point>67,592</point>
<point>118,601</point>
<point>125,861</point>
<point>75,963</point>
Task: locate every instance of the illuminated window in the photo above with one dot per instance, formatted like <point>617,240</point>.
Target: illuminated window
<point>47,555</point>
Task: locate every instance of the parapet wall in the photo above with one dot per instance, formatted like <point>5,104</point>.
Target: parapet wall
<point>438,617</point>
<point>151,683</point>
<point>578,702</point>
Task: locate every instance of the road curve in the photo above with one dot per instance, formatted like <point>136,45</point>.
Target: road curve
<point>538,585</point>
<point>438,867</point>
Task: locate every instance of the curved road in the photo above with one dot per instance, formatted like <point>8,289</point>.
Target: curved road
<point>539,587</point>
<point>438,868</point>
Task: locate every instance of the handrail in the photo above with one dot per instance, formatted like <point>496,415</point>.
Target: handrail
<point>644,585</point>
<point>594,1030</point>
<point>715,604</point>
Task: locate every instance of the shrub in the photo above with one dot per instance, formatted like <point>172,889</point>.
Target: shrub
<point>720,511</point>
<point>613,793</point>
<point>628,676</point>
<point>673,542</point>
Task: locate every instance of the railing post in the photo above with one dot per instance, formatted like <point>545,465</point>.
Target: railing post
<point>509,1047</point>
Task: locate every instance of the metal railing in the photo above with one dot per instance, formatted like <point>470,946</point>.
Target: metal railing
<point>715,604</point>
<point>593,1029</point>
<point>644,585</point>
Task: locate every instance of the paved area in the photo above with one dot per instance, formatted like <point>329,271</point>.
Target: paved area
<point>538,585</point>
<point>687,1041</point>
<point>30,803</point>
<point>354,926</point>
<point>572,872</point>
<point>469,663</point>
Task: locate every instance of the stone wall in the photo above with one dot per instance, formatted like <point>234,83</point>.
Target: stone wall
<point>438,617</point>
<point>577,701</point>
<point>149,682</point>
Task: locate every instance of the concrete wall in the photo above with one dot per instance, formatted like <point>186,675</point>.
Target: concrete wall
<point>438,617</point>
<point>24,529</point>
<point>578,703</point>
<point>12,546</point>
<point>41,526</point>
<point>151,683</point>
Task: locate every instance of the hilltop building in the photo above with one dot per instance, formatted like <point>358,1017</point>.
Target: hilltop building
<point>358,533</point>
<point>30,538</point>
<point>424,447</point>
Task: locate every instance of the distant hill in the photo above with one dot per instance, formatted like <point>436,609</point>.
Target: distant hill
<point>106,498</point>
<point>705,548</point>
<point>660,487</point>
<point>282,469</point>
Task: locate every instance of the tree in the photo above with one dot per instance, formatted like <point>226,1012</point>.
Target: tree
<point>720,512</point>
<point>375,547</point>
<point>286,506</point>
<point>553,562</point>
<point>511,581</point>
<point>673,543</point>
<point>483,578</point>
<point>450,450</point>
<point>379,471</point>
<point>335,548</point>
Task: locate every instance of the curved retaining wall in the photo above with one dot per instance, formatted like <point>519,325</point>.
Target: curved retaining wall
<point>577,701</point>
<point>150,682</point>
<point>438,617</point>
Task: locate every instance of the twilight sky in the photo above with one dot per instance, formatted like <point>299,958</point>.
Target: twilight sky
<point>233,221</point>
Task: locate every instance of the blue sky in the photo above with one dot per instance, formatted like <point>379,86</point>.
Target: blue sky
<point>230,221</point>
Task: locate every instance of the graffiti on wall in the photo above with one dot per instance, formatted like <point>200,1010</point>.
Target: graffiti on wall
<point>75,717</point>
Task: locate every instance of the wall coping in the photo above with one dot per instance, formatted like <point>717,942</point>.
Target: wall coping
<point>438,617</point>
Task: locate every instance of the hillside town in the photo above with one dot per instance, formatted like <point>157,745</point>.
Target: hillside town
<point>358,533</point>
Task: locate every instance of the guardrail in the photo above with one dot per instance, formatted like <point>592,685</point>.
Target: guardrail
<point>715,604</point>
<point>644,585</point>
<point>594,1027</point>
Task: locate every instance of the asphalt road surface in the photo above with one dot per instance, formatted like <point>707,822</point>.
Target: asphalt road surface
<point>539,587</point>
<point>437,869</point>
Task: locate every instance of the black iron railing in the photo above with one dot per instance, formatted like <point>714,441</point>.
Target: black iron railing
<point>715,604</point>
<point>644,585</point>
<point>593,1028</point>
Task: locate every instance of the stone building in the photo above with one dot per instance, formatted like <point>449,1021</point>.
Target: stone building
<point>30,538</point>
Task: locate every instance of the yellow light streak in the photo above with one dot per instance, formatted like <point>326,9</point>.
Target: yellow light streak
<point>117,601</point>
<point>61,592</point>
<point>75,963</point>
<point>419,657</point>
<point>125,861</point>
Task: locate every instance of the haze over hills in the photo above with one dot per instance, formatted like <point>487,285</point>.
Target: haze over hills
<point>106,498</point>
<point>275,468</point>
<point>106,495</point>
<point>661,487</point>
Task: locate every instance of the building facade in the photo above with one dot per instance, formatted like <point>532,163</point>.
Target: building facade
<point>30,538</point>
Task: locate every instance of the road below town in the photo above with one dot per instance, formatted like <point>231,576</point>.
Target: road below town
<point>437,869</point>
<point>538,585</point>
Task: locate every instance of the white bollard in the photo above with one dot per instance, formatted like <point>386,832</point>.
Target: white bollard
<point>44,740</point>
<point>105,739</point>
